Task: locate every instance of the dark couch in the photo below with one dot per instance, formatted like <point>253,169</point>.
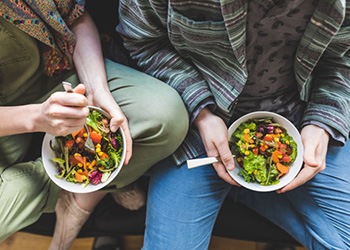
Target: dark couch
<point>234,221</point>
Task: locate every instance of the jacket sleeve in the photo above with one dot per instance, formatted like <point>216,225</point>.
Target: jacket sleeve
<point>329,101</point>
<point>143,27</point>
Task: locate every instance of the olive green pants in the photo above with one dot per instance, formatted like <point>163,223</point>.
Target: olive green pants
<point>158,123</point>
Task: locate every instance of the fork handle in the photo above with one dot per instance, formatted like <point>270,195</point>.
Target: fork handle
<point>193,163</point>
<point>67,87</point>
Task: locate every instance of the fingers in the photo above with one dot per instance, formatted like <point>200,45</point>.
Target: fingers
<point>116,121</point>
<point>226,156</point>
<point>222,173</point>
<point>128,141</point>
<point>310,153</point>
<point>69,99</point>
<point>227,162</point>
<point>219,147</point>
<point>216,143</point>
<point>306,174</point>
<point>119,120</point>
<point>80,89</point>
<point>62,127</point>
<point>315,141</point>
<point>62,120</point>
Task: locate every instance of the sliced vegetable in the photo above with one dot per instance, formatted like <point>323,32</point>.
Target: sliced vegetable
<point>264,151</point>
<point>76,164</point>
<point>282,168</point>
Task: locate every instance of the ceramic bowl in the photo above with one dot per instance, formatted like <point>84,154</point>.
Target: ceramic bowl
<point>51,168</point>
<point>294,167</point>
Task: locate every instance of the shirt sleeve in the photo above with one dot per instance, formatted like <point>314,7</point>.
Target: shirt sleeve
<point>208,103</point>
<point>143,27</point>
<point>337,139</point>
<point>329,100</point>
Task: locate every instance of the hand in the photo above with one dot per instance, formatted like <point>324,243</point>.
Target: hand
<point>103,98</point>
<point>63,113</point>
<point>214,134</point>
<point>93,75</point>
<point>315,141</point>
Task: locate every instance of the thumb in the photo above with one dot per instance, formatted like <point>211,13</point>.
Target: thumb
<point>309,157</point>
<point>227,160</point>
<point>80,89</point>
<point>115,122</point>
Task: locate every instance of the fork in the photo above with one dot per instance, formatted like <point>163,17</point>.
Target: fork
<point>88,143</point>
<point>193,163</point>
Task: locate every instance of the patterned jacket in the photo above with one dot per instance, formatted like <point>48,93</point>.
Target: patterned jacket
<point>198,47</point>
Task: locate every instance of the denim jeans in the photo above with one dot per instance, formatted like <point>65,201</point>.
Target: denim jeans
<point>183,205</point>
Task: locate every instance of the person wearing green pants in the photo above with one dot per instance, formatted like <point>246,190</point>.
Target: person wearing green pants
<point>32,67</point>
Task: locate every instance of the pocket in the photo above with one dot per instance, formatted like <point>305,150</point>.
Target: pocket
<point>12,50</point>
<point>192,37</point>
<point>19,62</point>
<point>13,149</point>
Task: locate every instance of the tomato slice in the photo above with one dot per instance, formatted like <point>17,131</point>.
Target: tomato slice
<point>69,144</point>
<point>76,159</point>
<point>286,158</point>
<point>95,137</point>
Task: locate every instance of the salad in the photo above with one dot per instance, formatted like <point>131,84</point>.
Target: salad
<point>77,164</point>
<point>264,151</point>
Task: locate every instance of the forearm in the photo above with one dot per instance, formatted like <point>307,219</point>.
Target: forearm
<point>330,101</point>
<point>18,119</point>
<point>88,58</point>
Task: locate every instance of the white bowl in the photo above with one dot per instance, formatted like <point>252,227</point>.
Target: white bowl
<point>51,169</point>
<point>294,167</point>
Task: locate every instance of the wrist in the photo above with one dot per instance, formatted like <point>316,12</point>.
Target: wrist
<point>202,116</point>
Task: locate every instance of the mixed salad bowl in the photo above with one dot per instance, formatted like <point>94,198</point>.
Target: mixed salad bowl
<point>268,151</point>
<point>75,168</point>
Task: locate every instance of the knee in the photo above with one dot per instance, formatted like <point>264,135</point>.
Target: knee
<point>172,117</point>
<point>24,194</point>
<point>160,121</point>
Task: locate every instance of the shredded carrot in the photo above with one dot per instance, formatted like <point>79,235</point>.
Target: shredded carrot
<point>92,164</point>
<point>79,177</point>
<point>268,137</point>
<point>86,172</point>
<point>77,132</point>
<point>246,137</point>
<point>103,155</point>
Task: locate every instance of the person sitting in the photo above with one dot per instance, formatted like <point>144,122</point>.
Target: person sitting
<point>42,44</point>
<point>229,58</point>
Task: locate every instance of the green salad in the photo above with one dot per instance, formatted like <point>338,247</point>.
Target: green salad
<point>76,164</point>
<point>264,150</point>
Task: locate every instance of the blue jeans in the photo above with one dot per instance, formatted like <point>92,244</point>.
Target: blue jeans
<point>183,205</point>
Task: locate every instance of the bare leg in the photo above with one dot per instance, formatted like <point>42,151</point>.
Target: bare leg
<point>72,211</point>
<point>132,198</point>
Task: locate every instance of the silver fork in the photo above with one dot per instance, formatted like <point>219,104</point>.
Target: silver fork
<point>88,143</point>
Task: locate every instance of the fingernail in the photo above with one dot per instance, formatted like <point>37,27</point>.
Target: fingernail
<point>114,128</point>
<point>231,167</point>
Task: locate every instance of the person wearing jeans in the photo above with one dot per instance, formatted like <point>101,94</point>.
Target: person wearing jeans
<point>228,58</point>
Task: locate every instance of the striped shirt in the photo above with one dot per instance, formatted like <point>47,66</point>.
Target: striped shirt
<point>199,48</point>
